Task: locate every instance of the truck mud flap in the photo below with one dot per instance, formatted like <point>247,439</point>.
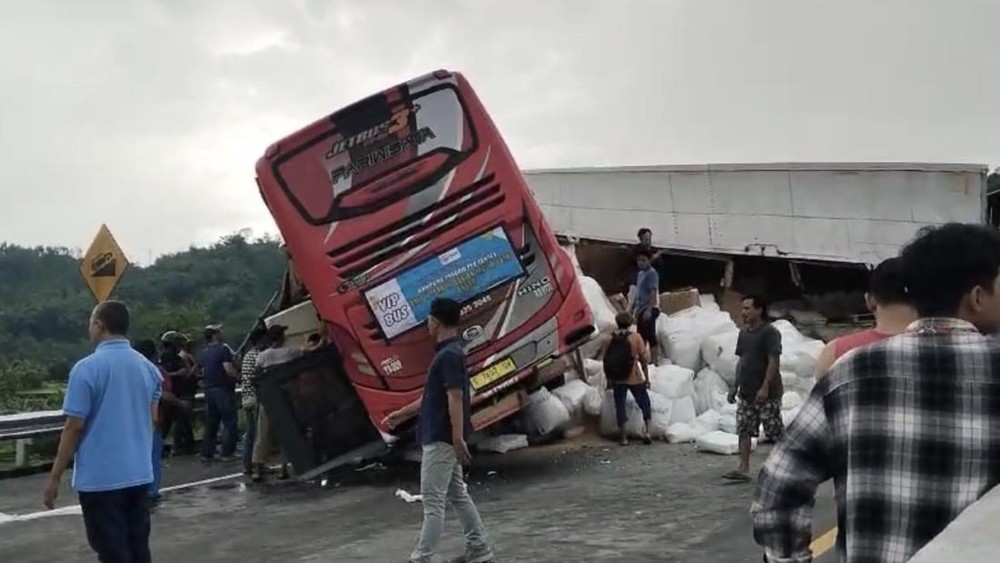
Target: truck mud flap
<point>315,414</point>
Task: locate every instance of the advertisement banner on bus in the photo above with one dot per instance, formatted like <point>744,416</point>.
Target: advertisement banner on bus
<point>462,273</point>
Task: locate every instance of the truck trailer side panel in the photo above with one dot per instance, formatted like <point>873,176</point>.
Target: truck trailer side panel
<point>849,212</point>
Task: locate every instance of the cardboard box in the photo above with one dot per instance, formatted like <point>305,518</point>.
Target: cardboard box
<point>674,301</point>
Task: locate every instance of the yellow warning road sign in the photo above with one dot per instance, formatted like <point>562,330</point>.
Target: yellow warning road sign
<point>103,265</point>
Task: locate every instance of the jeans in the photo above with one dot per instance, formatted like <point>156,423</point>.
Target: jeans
<point>117,524</point>
<point>249,436</point>
<point>154,487</point>
<point>641,396</point>
<point>220,407</point>
<point>441,483</point>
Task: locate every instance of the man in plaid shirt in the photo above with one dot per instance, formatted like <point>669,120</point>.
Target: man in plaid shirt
<point>908,428</point>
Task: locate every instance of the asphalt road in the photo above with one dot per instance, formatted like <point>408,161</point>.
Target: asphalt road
<point>586,500</point>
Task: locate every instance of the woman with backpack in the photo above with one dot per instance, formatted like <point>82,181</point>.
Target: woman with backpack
<point>626,367</point>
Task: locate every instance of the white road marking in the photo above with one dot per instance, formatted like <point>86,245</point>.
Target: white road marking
<point>75,509</point>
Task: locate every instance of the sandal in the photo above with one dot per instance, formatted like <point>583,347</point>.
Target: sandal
<point>736,476</point>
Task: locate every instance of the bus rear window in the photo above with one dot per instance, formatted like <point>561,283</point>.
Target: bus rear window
<point>462,273</point>
<point>378,151</point>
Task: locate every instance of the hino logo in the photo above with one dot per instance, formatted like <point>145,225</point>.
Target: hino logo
<point>472,333</point>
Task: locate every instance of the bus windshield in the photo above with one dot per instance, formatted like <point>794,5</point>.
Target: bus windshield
<point>380,150</point>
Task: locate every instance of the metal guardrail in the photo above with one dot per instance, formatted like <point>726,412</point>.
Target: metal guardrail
<point>42,423</point>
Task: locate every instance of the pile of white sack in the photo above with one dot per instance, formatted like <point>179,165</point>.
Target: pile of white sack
<point>688,390</point>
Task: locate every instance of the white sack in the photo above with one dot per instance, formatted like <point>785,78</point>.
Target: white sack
<point>719,352</point>
<point>680,335</point>
<point>544,413</point>
<point>504,443</point>
<point>728,408</point>
<point>572,395</point>
<point>790,400</point>
<point>600,305</point>
<point>788,416</point>
<point>789,379</point>
<point>710,391</point>
<point>680,433</point>
<point>708,421</point>
<point>804,385</point>
<point>682,410</point>
<point>721,443</point>
<point>661,410</point>
<point>727,423</point>
<point>592,367</point>
<point>593,400</point>
<point>707,301</point>
<point>790,336</point>
<point>673,382</point>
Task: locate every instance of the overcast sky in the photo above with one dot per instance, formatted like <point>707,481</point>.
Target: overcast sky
<point>149,115</point>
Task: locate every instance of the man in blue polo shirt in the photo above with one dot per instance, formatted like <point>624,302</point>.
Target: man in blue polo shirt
<point>220,378</point>
<point>110,405</point>
<point>444,424</point>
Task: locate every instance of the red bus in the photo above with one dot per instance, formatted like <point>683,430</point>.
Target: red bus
<point>409,195</point>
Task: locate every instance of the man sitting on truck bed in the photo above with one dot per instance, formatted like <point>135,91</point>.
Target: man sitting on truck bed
<point>444,424</point>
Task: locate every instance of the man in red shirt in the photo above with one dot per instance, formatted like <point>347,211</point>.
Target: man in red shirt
<point>887,300</point>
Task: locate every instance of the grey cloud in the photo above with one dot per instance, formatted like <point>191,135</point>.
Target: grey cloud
<point>149,115</point>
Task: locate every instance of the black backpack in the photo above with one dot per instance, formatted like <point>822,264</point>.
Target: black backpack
<point>618,358</point>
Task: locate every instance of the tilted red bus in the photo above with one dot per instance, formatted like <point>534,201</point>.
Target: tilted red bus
<point>412,194</point>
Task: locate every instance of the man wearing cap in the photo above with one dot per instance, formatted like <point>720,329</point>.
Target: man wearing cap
<point>220,378</point>
<point>276,353</point>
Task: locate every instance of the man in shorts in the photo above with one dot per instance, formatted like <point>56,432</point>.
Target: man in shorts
<point>646,304</point>
<point>758,389</point>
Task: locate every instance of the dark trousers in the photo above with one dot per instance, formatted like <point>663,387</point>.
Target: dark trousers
<point>220,408</point>
<point>182,426</point>
<point>117,524</point>
<point>641,395</point>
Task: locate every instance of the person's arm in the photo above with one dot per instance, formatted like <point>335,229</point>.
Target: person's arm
<point>825,360</point>
<point>455,382</point>
<point>157,379</point>
<point>786,489</point>
<point>771,372</point>
<point>641,354</point>
<point>227,363</point>
<point>76,406</point>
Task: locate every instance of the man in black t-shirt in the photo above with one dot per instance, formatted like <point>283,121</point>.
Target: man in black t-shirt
<point>758,389</point>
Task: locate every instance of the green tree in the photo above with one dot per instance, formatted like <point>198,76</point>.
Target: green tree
<point>44,305</point>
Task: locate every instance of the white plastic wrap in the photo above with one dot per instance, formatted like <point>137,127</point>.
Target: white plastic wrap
<point>544,413</point>
<point>721,443</point>
<point>710,391</point>
<point>682,411</point>
<point>673,382</point>
<point>503,443</point>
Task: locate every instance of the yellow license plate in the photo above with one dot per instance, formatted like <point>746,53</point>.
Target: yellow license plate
<point>489,375</point>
